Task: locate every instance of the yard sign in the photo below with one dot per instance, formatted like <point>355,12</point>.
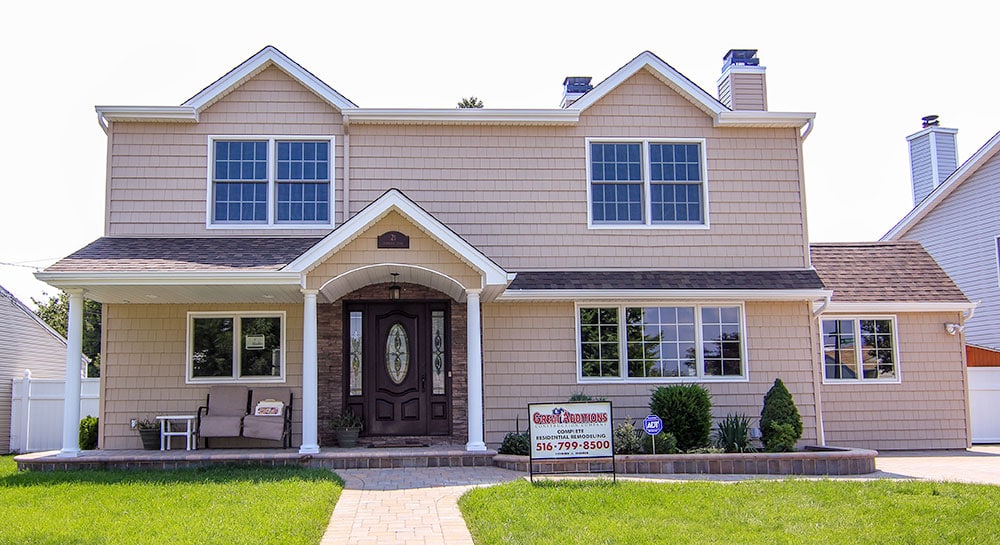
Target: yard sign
<point>561,431</point>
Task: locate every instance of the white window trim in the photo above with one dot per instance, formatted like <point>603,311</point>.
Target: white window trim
<point>189,377</point>
<point>646,185</point>
<point>856,319</point>
<point>996,248</point>
<point>623,346</point>
<point>272,183</point>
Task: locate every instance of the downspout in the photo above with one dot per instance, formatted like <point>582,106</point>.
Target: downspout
<point>102,122</point>
<point>818,369</point>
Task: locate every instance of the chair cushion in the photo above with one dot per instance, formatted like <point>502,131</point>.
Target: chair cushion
<point>227,401</point>
<point>264,427</point>
<point>219,426</point>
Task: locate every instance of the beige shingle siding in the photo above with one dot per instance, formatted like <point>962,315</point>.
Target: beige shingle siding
<point>519,194</point>
<point>960,232</point>
<point>926,410</point>
<point>529,354</point>
<point>145,366</point>
<point>24,344</point>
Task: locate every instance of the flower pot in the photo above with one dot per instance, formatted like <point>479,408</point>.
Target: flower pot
<point>150,439</point>
<point>347,438</point>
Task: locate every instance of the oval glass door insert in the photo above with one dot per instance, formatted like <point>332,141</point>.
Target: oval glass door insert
<point>397,353</point>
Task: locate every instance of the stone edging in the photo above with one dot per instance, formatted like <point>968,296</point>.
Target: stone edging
<point>826,461</point>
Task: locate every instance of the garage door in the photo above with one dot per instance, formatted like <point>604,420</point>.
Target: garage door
<point>984,404</point>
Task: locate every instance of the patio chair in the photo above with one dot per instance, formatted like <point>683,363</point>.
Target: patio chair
<point>267,422</point>
<point>223,412</point>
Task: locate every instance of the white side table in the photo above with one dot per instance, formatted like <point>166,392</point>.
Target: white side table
<point>167,430</point>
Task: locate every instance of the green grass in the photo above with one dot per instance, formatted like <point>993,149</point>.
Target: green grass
<point>750,512</point>
<point>217,505</point>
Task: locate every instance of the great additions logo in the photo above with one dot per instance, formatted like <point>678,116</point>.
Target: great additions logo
<point>560,415</point>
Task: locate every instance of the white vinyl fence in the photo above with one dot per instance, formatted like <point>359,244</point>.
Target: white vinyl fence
<point>984,404</point>
<point>36,417</point>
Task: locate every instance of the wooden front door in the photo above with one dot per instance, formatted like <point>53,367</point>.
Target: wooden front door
<point>405,368</point>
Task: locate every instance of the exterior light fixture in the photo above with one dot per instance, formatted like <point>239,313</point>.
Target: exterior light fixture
<point>395,290</point>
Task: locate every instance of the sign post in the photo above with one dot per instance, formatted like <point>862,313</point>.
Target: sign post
<point>653,426</point>
<point>562,431</point>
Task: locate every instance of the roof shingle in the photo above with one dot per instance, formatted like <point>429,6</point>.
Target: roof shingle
<point>667,280</point>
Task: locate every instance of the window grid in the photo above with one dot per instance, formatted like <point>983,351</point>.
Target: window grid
<point>860,349</point>
<point>667,176</point>
<point>718,343</point>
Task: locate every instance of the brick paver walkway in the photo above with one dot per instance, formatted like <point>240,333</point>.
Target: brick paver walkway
<point>406,506</point>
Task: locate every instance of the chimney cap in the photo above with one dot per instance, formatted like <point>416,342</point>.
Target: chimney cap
<point>577,84</point>
<point>742,57</point>
<point>930,121</point>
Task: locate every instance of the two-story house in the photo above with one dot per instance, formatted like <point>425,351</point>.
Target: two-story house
<point>435,270</point>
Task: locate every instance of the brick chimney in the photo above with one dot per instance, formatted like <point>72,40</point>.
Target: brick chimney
<point>573,89</point>
<point>933,156</point>
<point>742,85</point>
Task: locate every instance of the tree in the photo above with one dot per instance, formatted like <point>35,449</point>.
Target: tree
<point>471,102</point>
<point>55,313</point>
<point>780,423</point>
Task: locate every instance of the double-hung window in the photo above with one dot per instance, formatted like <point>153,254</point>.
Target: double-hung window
<point>282,181</point>
<point>647,183</point>
<point>236,347</point>
<point>661,343</point>
<point>860,349</point>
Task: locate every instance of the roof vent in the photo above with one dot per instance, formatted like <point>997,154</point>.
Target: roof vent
<point>742,85</point>
<point>930,121</point>
<point>573,89</point>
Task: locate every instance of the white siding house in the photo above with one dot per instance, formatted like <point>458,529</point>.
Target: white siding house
<point>26,342</point>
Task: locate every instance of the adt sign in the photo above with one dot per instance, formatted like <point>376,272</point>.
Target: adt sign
<point>652,424</point>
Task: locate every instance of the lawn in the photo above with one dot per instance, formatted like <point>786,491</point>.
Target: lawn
<point>749,512</point>
<point>218,505</point>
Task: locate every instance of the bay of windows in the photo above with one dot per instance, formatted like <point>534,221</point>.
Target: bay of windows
<point>234,347</point>
<point>647,183</point>
<point>661,342</point>
<point>859,349</point>
<point>271,181</point>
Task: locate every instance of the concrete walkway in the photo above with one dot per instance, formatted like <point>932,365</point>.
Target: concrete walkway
<point>406,506</point>
<point>418,505</point>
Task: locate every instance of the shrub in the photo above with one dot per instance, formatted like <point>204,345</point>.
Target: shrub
<point>666,443</point>
<point>732,434</point>
<point>515,443</point>
<point>779,408</point>
<point>686,411</point>
<point>88,433</point>
<point>627,439</point>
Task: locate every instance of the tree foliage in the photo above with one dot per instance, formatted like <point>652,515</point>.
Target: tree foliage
<point>780,423</point>
<point>55,313</point>
<point>686,411</point>
<point>470,102</point>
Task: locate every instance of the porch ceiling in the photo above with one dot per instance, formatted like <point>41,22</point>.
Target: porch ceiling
<point>382,273</point>
<point>159,294</point>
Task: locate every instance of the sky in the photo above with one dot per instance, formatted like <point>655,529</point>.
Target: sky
<point>868,71</point>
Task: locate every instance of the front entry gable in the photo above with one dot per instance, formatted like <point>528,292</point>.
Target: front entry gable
<point>437,257</point>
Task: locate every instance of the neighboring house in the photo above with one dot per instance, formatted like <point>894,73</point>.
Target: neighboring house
<point>955,218</point>
<point>26,343</point>
<point>437,270</point>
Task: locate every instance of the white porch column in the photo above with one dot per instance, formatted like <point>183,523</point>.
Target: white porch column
<point>74,357</point>
<point>475,359</point>
<point>310,442</point>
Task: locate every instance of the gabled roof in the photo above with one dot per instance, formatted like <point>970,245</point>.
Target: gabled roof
<point>941,192</point>
<point>16,303</point>
<point>395,200</point>
<point>866,276</point>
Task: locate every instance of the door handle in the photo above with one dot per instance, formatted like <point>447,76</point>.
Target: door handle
<point>423,382</point>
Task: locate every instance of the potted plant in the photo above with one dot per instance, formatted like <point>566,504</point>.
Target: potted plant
<point>149,432</point>
<point>347,427</point>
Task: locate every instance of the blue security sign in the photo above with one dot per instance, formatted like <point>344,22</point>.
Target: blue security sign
<point>652,424</point>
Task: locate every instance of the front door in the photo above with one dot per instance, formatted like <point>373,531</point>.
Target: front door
<point>404,368</point>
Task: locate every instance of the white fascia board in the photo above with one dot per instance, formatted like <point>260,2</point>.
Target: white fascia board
<point>462,116</point>
<point>171,278</point>
<point>693,295</point>
<point>265,57</point>
<point>749,118</point>
<point>393,199</point>
<point>182,114</point>
<point>897,306</point>
<point>956,178</point>
<point>694,93</point>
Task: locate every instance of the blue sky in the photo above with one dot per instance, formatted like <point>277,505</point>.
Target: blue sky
<point>869,72</point>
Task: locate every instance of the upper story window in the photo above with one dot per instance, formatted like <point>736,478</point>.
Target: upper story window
<point>271,181</point>
<point>860,349</point>
<point>661,343</point>
<point>647,183</point>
